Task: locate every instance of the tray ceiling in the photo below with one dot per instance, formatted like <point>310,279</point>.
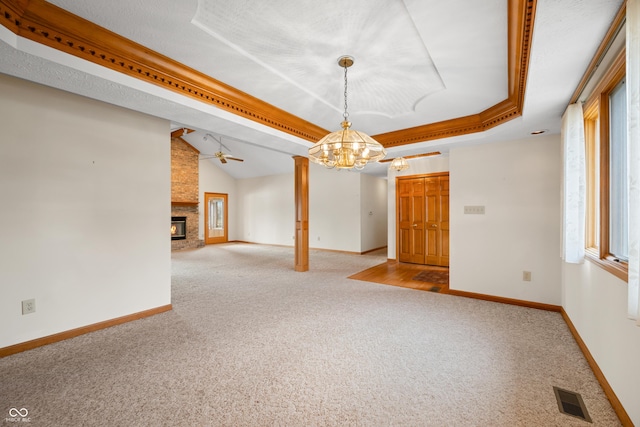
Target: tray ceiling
<point>418,62</point>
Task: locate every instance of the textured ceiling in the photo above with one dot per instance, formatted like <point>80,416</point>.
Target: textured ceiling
<point>417,62</point>
<point>295,42</point>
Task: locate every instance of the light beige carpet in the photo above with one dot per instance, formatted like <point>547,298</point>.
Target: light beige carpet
<point>251,342</point>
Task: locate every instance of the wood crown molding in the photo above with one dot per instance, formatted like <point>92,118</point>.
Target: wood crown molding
<point>52,26</point>
<point>521,16</point>
<point>415,156</point>
<point>615,27</point>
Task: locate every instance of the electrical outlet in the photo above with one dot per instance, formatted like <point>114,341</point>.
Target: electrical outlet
<point>526,276</point>
<point>28,306</point>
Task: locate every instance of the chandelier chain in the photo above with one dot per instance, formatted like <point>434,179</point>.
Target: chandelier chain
<point>346,148</point>
<point>345,114</point>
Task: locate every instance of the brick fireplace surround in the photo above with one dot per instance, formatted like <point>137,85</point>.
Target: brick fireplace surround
<point>184,192</point>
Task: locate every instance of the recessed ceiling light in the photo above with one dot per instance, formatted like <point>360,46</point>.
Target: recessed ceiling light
<point>538,132</point>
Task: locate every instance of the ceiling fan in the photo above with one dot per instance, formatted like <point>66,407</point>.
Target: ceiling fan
<point>220,155</point>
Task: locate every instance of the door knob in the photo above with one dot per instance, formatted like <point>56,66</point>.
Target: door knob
<point>433,225</point>
<point>414,225</point>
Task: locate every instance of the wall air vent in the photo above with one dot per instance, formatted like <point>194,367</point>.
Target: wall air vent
<point>571,403</point>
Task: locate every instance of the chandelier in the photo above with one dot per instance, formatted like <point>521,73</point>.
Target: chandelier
<point>346,148</point>
<point>399,164</point>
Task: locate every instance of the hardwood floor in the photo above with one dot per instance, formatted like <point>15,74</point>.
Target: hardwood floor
<point>401,274</point>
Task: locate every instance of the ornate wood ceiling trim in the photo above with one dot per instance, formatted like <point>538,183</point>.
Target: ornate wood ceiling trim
<point>52,26</point>
<point>415,156</point>
<point>521,15</point>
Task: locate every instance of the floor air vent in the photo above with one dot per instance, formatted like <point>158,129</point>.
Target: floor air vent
<point>571,403</point>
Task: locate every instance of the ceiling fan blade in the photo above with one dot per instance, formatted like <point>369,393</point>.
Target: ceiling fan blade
<point>234,158</point>
<point>223,160</point>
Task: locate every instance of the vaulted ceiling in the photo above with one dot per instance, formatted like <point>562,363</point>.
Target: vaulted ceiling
<point>263,76</point>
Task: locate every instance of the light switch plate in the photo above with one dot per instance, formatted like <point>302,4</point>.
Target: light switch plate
<point>474,210</point>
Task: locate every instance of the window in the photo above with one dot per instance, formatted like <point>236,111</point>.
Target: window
<point>605,115</point>
<point>618,200</point>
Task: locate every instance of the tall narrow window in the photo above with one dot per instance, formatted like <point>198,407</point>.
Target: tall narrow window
<point>618,200</point>
<point>605,120</point>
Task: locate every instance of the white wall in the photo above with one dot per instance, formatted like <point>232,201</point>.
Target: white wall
<point>213,179</point>
<point>373,212</point>
<point>336,203</point>
<point>85,190</point>
<point>334,209</point>
<point>266,210</point>
<point>518,182</point>
<point>596,303</point>
<point>420,166</point>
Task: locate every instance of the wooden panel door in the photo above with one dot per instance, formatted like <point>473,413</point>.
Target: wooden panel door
<point>215,214</point>
<point>411,220</point>
<point>444,221</point>
<point>437,220</point>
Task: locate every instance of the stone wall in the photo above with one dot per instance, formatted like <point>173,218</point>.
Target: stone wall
<point>184,192</point>
<point>184,172</point>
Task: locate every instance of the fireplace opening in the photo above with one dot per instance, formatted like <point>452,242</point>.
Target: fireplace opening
<point>178,227</point>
